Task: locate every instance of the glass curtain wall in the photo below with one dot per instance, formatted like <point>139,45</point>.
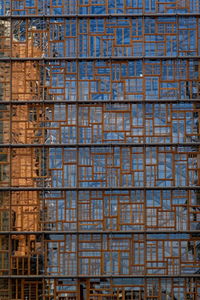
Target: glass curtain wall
<point>99,150</point>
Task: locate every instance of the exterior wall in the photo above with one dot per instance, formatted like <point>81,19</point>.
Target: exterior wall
<point>99,150</point>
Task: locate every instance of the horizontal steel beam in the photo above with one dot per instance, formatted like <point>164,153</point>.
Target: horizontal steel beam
<point>99,102</point>
<point>125,188</point>
<point>124,232</point>
<point>194,275</point>
<point>100,145</point>
<point>92,58</point>
<point>99,16</point>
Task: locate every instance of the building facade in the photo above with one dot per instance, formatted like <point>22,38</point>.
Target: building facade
<point>99,149</point>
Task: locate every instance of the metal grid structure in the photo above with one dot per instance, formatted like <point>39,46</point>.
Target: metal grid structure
<point>99,150</point>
